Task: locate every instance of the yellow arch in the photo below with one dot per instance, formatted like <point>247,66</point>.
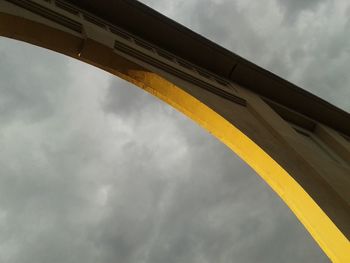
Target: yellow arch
<point>323,230</point>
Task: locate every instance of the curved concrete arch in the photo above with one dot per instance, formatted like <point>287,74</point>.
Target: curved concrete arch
<point>239,122</point>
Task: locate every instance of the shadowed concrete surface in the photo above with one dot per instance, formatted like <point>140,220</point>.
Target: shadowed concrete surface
<point>303,154</point>
<point>81,178</point>
<point>158,29</point>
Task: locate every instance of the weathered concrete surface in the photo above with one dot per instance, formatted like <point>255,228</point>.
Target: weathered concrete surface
<point>308,169</point>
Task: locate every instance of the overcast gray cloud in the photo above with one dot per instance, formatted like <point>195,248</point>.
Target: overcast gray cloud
<point>293,9</point>
<point>306,42</point>
<point>94,170</point>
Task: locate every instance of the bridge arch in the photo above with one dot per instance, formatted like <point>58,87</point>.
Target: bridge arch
<point>237,121</point>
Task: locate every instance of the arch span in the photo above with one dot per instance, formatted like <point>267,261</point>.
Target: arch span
<point>236,116</point>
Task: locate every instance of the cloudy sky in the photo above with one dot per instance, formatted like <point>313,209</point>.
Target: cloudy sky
<point>95,170</point>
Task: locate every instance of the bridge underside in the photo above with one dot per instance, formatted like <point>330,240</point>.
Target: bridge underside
<point>305,160</point>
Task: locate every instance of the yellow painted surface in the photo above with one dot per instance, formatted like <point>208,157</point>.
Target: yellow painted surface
<point>323,230</point>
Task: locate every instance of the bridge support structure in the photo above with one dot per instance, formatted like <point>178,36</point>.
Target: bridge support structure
<point>302,153</point>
